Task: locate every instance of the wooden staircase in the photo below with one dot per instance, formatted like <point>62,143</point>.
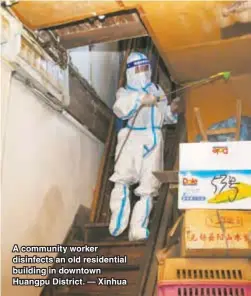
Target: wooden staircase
<point>141,268</point>
<point>107,247</point>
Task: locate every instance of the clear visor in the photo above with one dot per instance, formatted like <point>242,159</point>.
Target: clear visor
<point>142,68</point>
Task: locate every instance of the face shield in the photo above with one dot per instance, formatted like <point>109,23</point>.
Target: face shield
<point>140,69</point>
<point>139,73</point>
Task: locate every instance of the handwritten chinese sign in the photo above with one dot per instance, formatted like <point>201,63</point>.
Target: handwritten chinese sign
<point>215,175</point>
<point>229,221</point>
<point>203,231</point>
<point>211,237</point>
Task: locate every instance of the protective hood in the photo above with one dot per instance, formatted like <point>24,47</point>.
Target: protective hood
<point>138,80</point>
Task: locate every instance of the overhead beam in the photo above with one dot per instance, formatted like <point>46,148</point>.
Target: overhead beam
<point>112,28</point>
<point>108,34</point>
<point>38,15</point>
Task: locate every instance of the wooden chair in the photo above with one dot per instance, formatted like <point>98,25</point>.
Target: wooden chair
<point>235,130</point>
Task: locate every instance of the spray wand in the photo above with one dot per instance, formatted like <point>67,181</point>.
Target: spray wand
<point>224,75</point>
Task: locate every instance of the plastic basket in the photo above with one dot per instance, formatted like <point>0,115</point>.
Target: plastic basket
<point>204,288</point>
<point>205,269</point>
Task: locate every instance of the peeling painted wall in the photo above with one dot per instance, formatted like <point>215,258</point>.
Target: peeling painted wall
<point>49,168</point>
<point>100,67</point>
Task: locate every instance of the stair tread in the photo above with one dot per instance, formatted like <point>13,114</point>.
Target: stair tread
<point>100,232</point>
<point>107,243</point>
<point>109,238</point>
<point>100,224</point>
<point>111,266</point>
<point>94,293</point>
<point>131,276</point>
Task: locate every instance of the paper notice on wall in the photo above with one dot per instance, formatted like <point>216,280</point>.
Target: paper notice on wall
<point>215,175</point>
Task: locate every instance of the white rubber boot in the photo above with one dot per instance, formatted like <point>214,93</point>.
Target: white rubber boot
<point>120,208</point>
<point>140,219</point>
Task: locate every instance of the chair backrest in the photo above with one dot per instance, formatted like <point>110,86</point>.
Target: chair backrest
<point>236,130</point>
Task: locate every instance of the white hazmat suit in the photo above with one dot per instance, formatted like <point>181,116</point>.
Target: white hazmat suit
<point>143,152</point>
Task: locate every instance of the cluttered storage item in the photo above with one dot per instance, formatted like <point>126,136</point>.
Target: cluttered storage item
<point>207,277</point>
<point>216,233</point>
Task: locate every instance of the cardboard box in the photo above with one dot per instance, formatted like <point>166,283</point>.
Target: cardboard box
<point>203,233</point>
<point>219,177</point>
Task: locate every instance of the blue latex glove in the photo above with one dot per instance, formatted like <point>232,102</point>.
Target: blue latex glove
<point>119,124</point>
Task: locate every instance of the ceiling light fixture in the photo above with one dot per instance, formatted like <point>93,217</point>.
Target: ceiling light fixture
<point>101,17</point>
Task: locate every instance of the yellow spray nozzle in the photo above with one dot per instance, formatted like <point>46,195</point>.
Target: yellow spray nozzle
<point>226,75</point>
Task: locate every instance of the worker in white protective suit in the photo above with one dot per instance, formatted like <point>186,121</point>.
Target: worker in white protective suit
<point>143,151</point>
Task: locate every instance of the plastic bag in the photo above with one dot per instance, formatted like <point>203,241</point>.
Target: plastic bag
<point>245,131</point>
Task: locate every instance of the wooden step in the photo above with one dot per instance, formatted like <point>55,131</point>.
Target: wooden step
<point>96,225</point>
<point>97,232</point>
<point>101,224</point>
<point>131,278</point>
<point>83,269</point>
<point>129,271</point>
<point>103,266</point>
<point>92,294</point>
<point>107,243</point>
<point>86,293</point>
<point>133,250</point>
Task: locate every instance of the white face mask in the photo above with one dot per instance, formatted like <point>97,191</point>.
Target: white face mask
<point>138,80</point>
<point>142,78</point>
